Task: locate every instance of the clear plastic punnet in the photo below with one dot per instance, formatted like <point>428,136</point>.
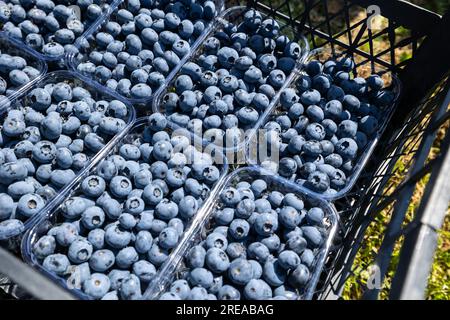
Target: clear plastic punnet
<point>233,15</point>
<point>13,47</point>
<point>48,32</point>
<point>366,142</point>
<point>56,216</point>
<point>88,44</point>
<point>177,266</point>
<point>87,157</point>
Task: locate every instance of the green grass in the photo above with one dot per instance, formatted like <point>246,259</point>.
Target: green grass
<point>438,6</point>
<point>439,280</point>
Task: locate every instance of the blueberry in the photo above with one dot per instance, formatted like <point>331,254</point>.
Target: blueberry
<point>236,250</point>
<point>368,125</point>
<point>266,224</point>
<point>112,295</point>
<point>299,277</point>
<point>307,258</point>
<point>66,234</point>
<point>230,197</point>
<point>6,206</point>
<point>335,93</point>
<point>347,148</point>
<point>315,216</point>
<point>273,273</point>
<point>168,238</point>
<point>224,216</point>
<point>351,103</point>
<point>239,229</point>
<point>97,238</point>
<point>196,257</point>
<point>314,68</point>
<point>56,263</point>
<point>180,288</point>
<point>93,186</point>
<point>144,270</point>
<point>258,251</point>
<point>228,292</point>
<point>201,277</point>
<point>216,240</point>
<point>289,260</point>
<point>19,189</point>
<point>227,56</point>
<point>126,257</point>
<point>157,226</point>
<point>120,186</point>
<point>165,209</point>
<point>11,227</point>
<point>80,251</point>
<point>277,78</point>
<point>198,293</point>
<point>116,237</point>
<point>347,129</point>
<point>44,247</point>
<point>272,242</point>
<point>346,64</point>
<point>257,289</point>
<point>245,208</point>
<point>375,82</point>
<point>240,271</point>
<point>127,221</point>
<point>101,260</point>
<point>116,278</point>
<point>188,207</point>
<point>312,235</point>
<point>217,260</point>
<point>30,204</point>
<point>97,285</point>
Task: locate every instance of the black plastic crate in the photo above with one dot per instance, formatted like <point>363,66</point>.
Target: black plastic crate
<point>422,39</point>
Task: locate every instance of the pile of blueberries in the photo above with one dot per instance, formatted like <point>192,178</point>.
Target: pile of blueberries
<point>143,42</point>
<point>50,27</point>
<point>45,140</point>
<point>15,72</point>
<point>324,123</point>
<point>230,84</point>
<point>123,221</point>
<point>261,245</point>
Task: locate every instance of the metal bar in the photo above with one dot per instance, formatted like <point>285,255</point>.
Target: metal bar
<point>384,255</point>
<point>417,254</point>
<point>30,280</point>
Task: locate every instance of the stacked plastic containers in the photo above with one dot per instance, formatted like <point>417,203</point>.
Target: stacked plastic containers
<point>197,227</point>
